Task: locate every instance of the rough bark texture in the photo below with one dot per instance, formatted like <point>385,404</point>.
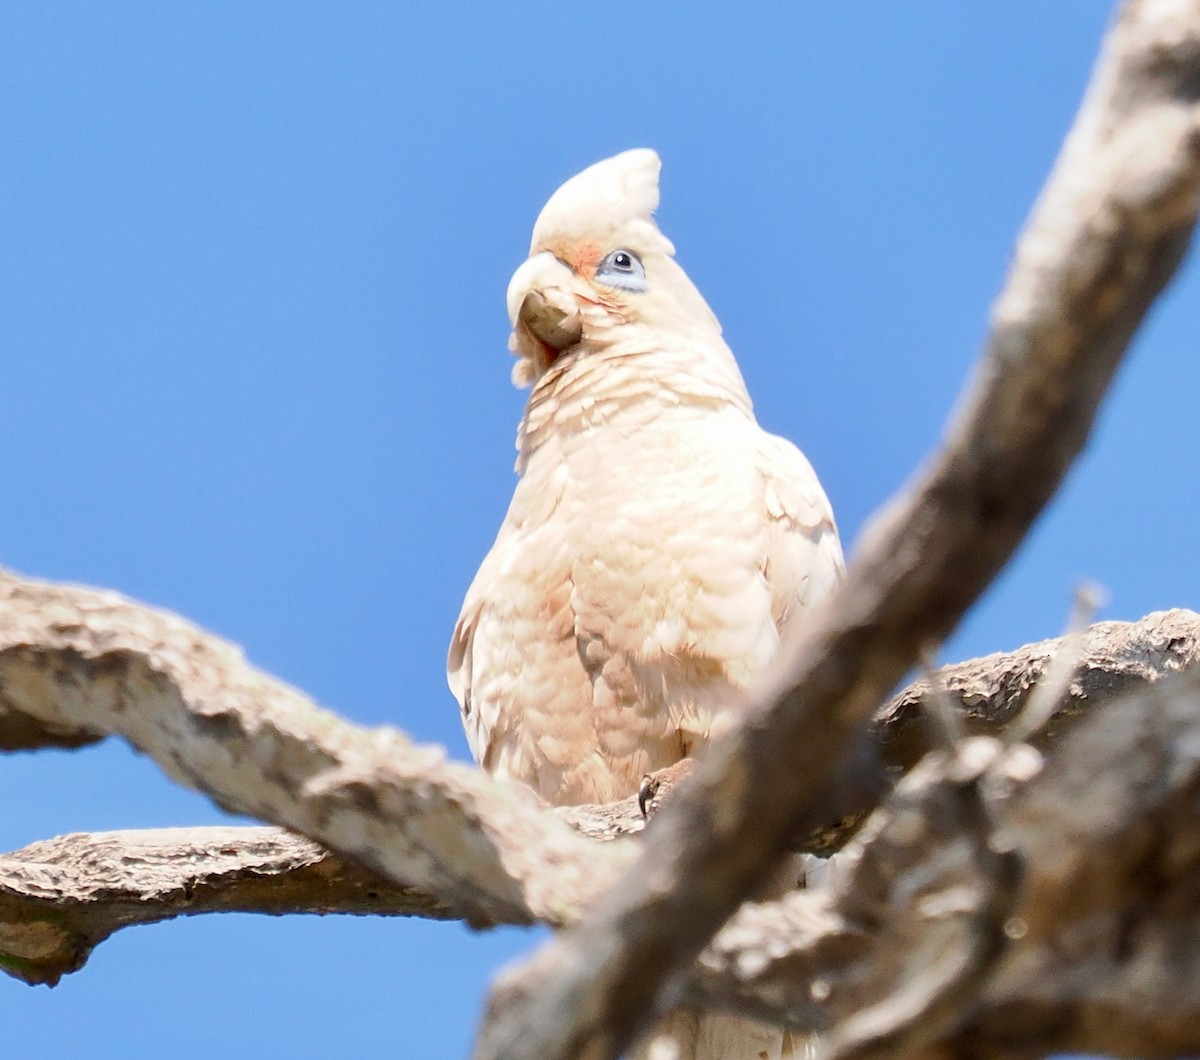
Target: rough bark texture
<point>78,661</point>
<point>989,692</point>
<point>61,898</point>
<point>1111,226</point>
<point>970,917</point>
<point>1100,946</point>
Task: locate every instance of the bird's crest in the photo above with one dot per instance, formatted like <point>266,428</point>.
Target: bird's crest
<point>616,194</point>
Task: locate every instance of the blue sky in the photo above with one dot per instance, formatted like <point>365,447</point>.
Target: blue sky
<point>254,370</point>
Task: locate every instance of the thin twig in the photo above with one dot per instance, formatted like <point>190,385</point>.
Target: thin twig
<point>939,716</point>
<point>1055,682</point>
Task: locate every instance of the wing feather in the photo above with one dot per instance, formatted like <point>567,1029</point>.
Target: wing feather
<point>803,562</point>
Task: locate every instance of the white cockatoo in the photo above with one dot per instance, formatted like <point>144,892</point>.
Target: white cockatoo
<point>659,545</point>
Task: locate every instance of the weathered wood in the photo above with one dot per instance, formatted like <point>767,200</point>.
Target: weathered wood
<point>76,660</point>
<point>61,898</point>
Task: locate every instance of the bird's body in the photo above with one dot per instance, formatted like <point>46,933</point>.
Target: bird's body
<point>625,604</point>
<point>659,544</point>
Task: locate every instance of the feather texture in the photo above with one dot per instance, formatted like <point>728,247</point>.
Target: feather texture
<point>659,544</point>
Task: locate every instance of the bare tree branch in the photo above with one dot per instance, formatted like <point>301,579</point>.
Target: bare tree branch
<point>1106,952</point>
<point>61,898</point>
<point>1101,946</point>
<point>1108,232</point>
<point>1096,954</point>
<point>913,923</point>
<point>988,692</point>
<point>78,661</point>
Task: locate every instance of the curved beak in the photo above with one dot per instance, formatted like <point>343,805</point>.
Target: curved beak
<point>542,303</point>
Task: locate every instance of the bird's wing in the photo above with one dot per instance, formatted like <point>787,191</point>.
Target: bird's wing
<point>514,662</point>
<point>803,562</point>
<point>460,662</point>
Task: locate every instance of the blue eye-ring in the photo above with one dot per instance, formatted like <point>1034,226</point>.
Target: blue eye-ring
<point>622,268</point>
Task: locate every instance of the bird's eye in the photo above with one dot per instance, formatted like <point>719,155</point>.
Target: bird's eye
<point>623,269</point>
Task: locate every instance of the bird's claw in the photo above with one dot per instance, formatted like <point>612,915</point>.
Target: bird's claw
<point>657,787</point>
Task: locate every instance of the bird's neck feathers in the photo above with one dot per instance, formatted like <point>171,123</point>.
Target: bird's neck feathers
<point>642,373</point>
<point>651,349</point>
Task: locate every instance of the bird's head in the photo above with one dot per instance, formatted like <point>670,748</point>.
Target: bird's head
<point>600,274</point>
